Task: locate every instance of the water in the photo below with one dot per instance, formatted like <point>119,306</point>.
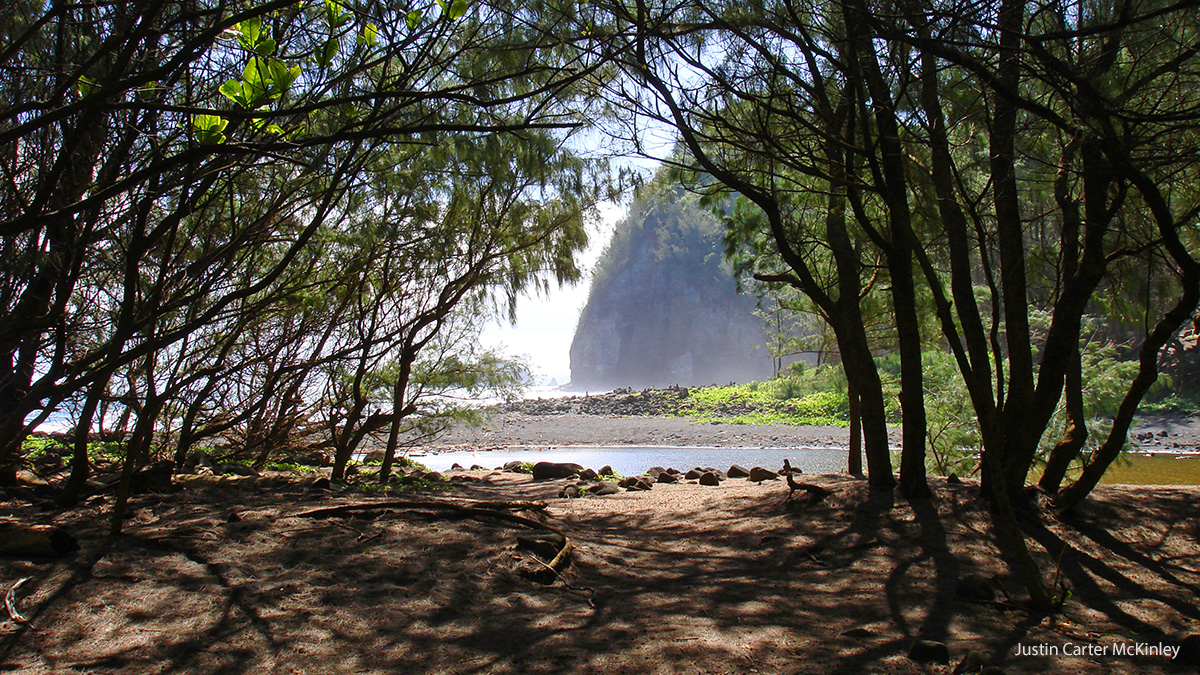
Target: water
<point>632,461</point>
<point>1133,468</point>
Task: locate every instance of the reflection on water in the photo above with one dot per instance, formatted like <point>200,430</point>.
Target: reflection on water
<point>1133,468</point>
<point>1160,468</point>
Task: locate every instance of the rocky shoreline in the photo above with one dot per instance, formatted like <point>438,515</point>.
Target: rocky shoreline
<point>657,417</point>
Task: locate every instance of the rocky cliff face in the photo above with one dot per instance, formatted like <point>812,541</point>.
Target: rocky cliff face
<point>663,309</point>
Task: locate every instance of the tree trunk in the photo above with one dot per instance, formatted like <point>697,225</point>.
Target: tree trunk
<point>1076,433</point>
<point>855,452</point>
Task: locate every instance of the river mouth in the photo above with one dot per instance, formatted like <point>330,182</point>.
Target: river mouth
<point>1133,468</point>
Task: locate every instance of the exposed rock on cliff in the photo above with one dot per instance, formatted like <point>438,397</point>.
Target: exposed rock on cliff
<point>663,309</point>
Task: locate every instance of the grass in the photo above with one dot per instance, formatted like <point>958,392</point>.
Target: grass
<point>761,403</point>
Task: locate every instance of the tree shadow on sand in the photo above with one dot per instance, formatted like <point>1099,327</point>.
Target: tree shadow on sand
<point>708,580</point>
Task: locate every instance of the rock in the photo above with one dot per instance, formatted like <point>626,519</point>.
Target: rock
<point>434,477</point>
<point>975,587</point>
<point>926,651</point>
<point>604,487</point>
<point>155,477</point>
<point>606,470</point>
<point>477,467</point>
<point>667,477</point>
<point>513,466</point>
<point>457,467</point>
<point>690,326</point>
<point>551,470</point>
<point>709,478</point>
<point>738,471</point>
<point>693,474</point>
<point>972,662</point>
<point>570,492</point>
<point>197,459</point>
<point>759,474</point>
<point>953,479</point>
<point>640,483</point>
<point>654,471</point>
<point>319,484</point>
<point>314,458</point>
<point>235,469</point>
<point>373,457</point>
<point>589,474</point>
<point>627,481</point>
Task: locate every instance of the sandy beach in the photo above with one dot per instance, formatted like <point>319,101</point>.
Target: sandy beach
<point>274,574</point>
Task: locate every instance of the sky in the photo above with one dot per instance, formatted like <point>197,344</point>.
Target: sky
<point>546,323</point>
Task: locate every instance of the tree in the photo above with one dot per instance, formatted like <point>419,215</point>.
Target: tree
<point>165,166</point>
<point>934,128</point>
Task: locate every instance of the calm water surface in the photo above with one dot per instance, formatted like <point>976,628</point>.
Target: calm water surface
<point>1133,468</point>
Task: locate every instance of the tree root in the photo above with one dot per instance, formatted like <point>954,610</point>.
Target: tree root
<point>10,601</point>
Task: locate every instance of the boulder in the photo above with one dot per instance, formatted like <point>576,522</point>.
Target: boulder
<point>606,470</point>
<point>693,474</point>
<point>667,477</point>
<point>589,474</point>
<point>709,478</point>
<point>570,492</point>
<point>197,459</point>
<point>654,471</point>
<point>457,467</point>
<point>477,467</point>
<point>314,458</point>
<point>759,474</point>
<point>604,487</point>
<point>738,471</point>
<point>513,466</point>
<point>640,483</point>
<point>551,470</point>
<point>235,469</point>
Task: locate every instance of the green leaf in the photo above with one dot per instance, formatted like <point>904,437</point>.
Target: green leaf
<point>413,18</point>
<point>457,9</point>
<point>282,77</point>
<point>368,35</point>
<point>336,15</point>
<point>232,89</point>
<point>327,51</point>
<point>86,86</point>
<point>266,48</point>
<point>209,129</point>
<point>249,33</point>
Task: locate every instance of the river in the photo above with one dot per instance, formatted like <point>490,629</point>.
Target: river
<point>1133,468</point>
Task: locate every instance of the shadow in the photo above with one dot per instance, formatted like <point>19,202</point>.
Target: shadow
<point>680,579</point>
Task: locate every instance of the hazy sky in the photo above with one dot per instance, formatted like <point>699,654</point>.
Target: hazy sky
<point>546,324</point>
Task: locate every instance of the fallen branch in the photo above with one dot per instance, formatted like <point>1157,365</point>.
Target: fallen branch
<point>472,510</point>
<point>10,601</point>
<point>486,507</point>
<point>815,492</point>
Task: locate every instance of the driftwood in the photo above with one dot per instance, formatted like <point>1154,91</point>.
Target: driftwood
<point>20,540</point>
<point>10,601</point>
<point>815,492</point>
<point>490,509</point>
